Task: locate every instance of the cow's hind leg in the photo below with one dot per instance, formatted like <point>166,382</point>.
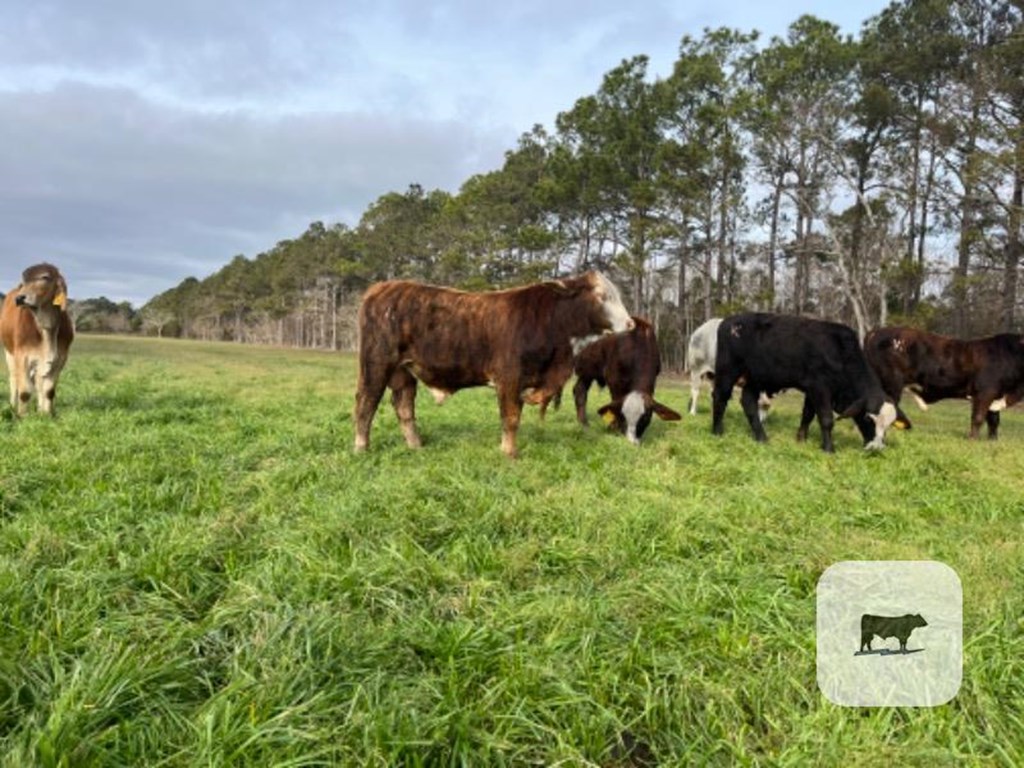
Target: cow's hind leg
<point>980,413</point>
<point>695,378</point>
<point>403,397</point>
<point>510,404</point>
<point>821,401</point>
<point>806,417</point>
<point>720,395</point>
<point>369,391</point>
<point>749,399</point>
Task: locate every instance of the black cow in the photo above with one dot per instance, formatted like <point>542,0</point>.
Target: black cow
<point>822,359</point>
<point>899,627</point>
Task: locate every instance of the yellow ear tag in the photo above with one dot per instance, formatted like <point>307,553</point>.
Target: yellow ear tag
<point>608,417</point>
<point>900,424</point>
<point>60,300</point>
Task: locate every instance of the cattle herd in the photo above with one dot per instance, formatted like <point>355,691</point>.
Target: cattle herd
<point>527,342</point>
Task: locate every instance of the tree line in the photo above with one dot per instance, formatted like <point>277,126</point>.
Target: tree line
<point>872,179</point>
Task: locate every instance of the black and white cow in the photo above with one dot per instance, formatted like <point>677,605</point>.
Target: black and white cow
<point>822,359</point>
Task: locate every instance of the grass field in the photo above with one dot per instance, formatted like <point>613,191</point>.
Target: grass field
<point>195,569</point>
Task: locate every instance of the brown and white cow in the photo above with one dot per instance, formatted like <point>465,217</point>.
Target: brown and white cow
<point>37,332</point>
<point>989,371</point>
<point>520,340</point>
<point>628,364</point>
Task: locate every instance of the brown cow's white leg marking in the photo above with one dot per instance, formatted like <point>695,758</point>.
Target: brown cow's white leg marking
<point>511,408</point>
<point>403,398</point>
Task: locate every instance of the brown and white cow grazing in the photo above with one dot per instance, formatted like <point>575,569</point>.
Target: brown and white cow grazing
<point>37,332</point>
<point>520,340</point>
<point>628,363</point>
<point>989,371</point>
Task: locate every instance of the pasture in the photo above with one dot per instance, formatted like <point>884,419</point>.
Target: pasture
<point>195,569</point>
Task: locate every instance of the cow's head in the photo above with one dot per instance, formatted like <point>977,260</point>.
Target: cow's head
<point>611,312</point>
<point>631,415</point>
<point>873,424</point>
<point>41,286</point>
<point>917,620</point>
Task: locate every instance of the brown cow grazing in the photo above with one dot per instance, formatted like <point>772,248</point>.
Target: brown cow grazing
<point>37,332</point>
<point>628,363</point>
<point>520,340</point>
<point>989,371</point>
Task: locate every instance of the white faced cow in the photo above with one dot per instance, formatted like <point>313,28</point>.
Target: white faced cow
<point>519,340</point>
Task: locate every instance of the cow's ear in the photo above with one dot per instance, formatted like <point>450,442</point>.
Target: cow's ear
<point>853,410</point>
<point>60,299</point>
<point>902,422</point>
<point>664,412</point>
<point>611,413</point>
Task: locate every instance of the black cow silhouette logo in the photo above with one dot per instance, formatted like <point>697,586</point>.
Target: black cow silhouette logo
<point>899,627</point>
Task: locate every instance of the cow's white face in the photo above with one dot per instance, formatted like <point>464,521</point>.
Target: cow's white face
<point>633,410</point>
<point>612,308</point>
<point>884,419</point>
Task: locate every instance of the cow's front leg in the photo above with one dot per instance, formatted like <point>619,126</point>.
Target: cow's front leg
<point>46,384</point>
<point>749,399</point>
<point>22,385</point>
<point>12,378</point>
<point>579,396</point>
<point>510,404</point>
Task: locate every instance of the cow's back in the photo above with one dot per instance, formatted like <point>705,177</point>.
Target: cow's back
<point>781,351</point>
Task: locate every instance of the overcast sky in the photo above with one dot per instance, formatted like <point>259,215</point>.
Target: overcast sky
<point>146,141</point>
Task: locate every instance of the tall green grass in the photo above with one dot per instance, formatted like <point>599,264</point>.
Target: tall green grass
<point>195,569</point>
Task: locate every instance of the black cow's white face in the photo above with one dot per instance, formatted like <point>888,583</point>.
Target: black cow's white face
<point>884,419</point>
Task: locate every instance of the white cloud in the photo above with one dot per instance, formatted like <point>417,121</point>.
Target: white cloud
<point>142,142</point>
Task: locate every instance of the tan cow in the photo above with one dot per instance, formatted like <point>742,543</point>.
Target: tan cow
<point>37,332</point>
